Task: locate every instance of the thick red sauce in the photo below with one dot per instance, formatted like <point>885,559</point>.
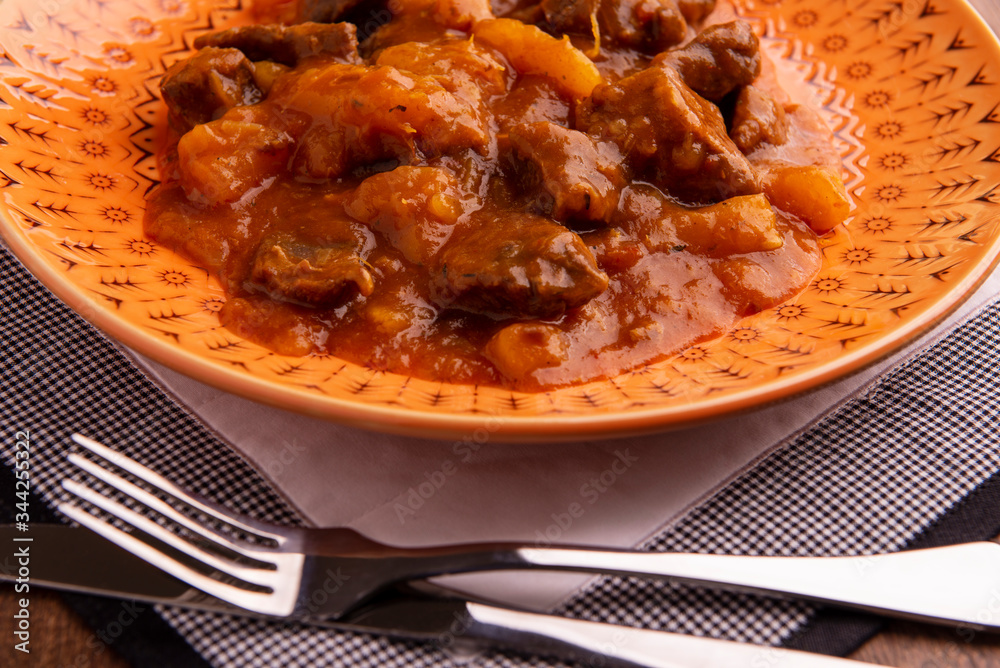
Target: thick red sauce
<point>460,209</point>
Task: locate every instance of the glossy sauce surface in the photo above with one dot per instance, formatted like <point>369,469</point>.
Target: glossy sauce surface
<point>475,200</point>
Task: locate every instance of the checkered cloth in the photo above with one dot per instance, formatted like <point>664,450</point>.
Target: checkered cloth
<point>899,465</point>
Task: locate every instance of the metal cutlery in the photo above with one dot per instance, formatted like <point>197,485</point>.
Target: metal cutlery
<point>420,612</point>
<point>272,570</point>
<point>340,578</point>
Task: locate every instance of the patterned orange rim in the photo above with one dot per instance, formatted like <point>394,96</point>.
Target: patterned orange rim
<point>944,47</point>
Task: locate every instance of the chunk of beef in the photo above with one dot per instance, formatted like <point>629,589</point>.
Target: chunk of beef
<point>304,272</point>
<point>532,99</point>
<point>325,11</point>
<point>203,87</point>
<point>289,45</point>
<point>363,116</point>
<point>669,135</point>
<point>648,25</point>
<point>757,119</point>
<point>571,16</point>
<point>582,177</point>
<point>643,23</point>
<point>696,10</point>
<point>514,264</point>
<point>721,58</point>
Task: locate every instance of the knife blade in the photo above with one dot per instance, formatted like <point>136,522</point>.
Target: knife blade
<point>77,560</point>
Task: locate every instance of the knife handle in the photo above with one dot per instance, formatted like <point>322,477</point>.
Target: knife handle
<point>952,584</point>
<point>613,646</point>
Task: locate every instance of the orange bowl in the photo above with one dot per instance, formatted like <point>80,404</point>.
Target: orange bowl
<point>910,95</point>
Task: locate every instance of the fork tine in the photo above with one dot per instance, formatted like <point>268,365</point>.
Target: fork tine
<point>268,604</point>
<point>164,485</point>
<point>257,576</point>
<point>150,501</point>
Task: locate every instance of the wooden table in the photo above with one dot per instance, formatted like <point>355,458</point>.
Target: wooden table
<point>61,639</point>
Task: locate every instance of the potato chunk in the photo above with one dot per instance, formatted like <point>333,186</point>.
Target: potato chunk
<point>738,225</point>
<point>221,161</point>
<point>532,51</point>
<point>462,14</point>
<point>460,65</point>
<point>815,194</point>
<point>735,226</point>
<point>520,349</point>
<point>415,208</point>
<point>362,115</point>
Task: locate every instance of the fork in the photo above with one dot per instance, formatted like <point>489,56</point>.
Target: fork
<point>277,570</point>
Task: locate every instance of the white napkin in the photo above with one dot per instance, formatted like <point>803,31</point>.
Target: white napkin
<point>409,491</point>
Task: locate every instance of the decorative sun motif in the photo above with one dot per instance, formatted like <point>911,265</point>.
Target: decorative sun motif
<point>859,69</point>
<point>857,256</point>
<point>744,334</point>
<point>140,247</point>
<point>877,224</point>
<point>828,285</point>
<point>116,54</point>
<point>172,6</point>
<point>142,27</point>
<point>103,85</point>
<point>174,277</point>
<point>93,148</point>
<point>889,129</point>
<point>116,215</point>
<point>877,99</point>
<point>96,117</point>
<point>893,161</point>
<point>213,305</point>
<point>790,312</point>
<point>889,194</point>
<point>805,18</point>
<point>100,181</point>
<point>694,354</point>
<point>834,43</point>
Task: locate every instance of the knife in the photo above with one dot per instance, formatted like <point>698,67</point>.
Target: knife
<point>77,560</point>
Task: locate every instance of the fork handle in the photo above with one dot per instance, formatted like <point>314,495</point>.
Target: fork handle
<point>612,646</point>
<point>958,583</point>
